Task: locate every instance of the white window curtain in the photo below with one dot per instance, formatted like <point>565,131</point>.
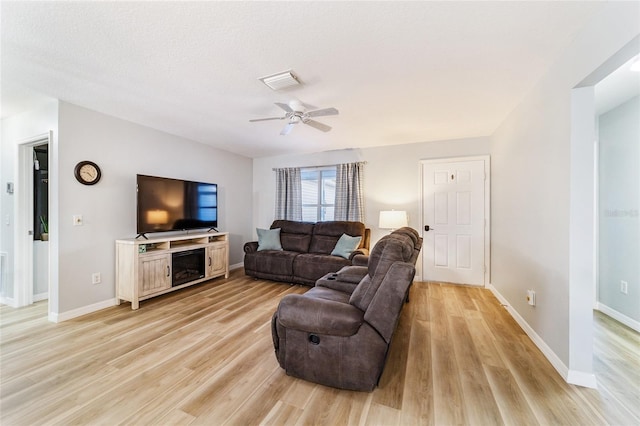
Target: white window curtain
<point>288,194</point>
<point>349,196</point>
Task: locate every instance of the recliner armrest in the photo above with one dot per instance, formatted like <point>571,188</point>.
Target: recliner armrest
<point>360,260</point>
<point>319,316</point>
<point>358,252</point>
<point>251,247</point>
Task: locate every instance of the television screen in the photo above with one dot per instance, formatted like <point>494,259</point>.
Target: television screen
<point>175,205</point>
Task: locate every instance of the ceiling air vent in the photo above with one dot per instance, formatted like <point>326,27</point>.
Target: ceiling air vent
<point>281,80</point>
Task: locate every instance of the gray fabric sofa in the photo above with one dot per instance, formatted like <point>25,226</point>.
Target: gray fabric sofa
<point>340,338</point>
<point>306,251</point>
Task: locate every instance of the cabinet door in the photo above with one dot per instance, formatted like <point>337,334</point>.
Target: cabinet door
<point>216,260</point>
<point>154,273</point>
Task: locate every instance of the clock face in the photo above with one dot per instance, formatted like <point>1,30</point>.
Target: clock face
<point>87,172</point>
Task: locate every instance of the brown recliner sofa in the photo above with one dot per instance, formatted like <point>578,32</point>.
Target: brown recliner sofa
<point>338,338</point>
<point>347,278</point>
<point>306,251</point>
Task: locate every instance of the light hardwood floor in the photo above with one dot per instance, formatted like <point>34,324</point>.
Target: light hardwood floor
<point>203,355</point>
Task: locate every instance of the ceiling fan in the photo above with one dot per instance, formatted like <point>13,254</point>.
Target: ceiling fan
<point>295,113</point>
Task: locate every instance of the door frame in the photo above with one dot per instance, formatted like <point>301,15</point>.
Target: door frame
<point>487,205</point>
<point>23,262</point>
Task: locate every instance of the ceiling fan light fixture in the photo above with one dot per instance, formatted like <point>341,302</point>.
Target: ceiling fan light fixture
<point>281,80</point>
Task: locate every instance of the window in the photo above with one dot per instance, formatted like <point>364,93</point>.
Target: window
<point>318,193</point>
<point>207,202</point>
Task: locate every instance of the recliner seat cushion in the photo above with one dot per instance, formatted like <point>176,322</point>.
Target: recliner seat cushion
<point>328,294</point>
<point>308,267</point>
<point>277,262</point>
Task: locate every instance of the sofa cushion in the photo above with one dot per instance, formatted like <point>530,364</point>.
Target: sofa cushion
<point>328,294</point>
<point>294,236</point>
<point>276,262</point>
<point>326,235</point>
<point>346,245</point>
<point>308,267</point>
<point>268,239</point>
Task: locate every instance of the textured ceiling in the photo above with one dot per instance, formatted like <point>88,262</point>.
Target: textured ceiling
<point>398,72</point>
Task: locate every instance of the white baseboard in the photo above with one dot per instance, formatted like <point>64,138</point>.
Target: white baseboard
<point>570,376</point>
<point>65,316</point>
<point>40,296</point>
<point>9,301</point>
<point>629,322</point>
<point>580,378</point>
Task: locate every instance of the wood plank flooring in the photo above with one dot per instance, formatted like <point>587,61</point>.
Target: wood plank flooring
<point>204,356</point>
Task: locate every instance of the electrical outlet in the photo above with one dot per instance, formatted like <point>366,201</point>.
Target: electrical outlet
<point>624,287</point>
<point>77,220</point>
<point>96,278</point>
<point>531,297</point>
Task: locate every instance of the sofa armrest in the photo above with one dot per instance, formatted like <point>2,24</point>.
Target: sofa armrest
<point>319,316</point>
<point>360,260</point>
<point>358,252</point>
<point>251,247</point>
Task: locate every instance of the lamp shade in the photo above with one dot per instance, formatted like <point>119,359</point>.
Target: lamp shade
<point>392,219</point>
<point>157,217</point>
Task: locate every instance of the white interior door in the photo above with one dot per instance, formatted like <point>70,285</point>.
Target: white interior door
<point>454,221</point>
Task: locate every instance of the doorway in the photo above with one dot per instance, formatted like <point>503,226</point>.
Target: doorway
<point>455,216</point>
<point>583,217</point>
<point>40,222</point>
<point>617,101</point>
<point>32,258</point>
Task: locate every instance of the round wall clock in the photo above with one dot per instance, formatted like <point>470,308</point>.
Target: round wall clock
<point>87,173</point>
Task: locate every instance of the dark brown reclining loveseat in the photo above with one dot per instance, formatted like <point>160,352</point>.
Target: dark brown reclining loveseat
<point>338,338</point>
<point>306,251</point>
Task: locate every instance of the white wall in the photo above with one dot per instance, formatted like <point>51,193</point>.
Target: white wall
<point>40,270</point>
<point>39,121</point>
<point>122,149</point>
<point>392,177</point>
<point>531,170</point>
<point>619,206</point>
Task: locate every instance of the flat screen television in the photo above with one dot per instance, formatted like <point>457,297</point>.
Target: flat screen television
<point>166,204</point>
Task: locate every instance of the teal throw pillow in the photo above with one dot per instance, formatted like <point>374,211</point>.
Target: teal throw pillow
<point>269,239</point>
<point>346,245</point>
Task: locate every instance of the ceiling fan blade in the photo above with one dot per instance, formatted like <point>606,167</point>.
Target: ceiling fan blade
<point>287,129</point>
<point>267,119</point>
<point>317,125</point>
<point>321,112</point>
<point>284,107</point>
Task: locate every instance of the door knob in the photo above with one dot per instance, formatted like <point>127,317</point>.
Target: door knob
<point>427,228</point>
